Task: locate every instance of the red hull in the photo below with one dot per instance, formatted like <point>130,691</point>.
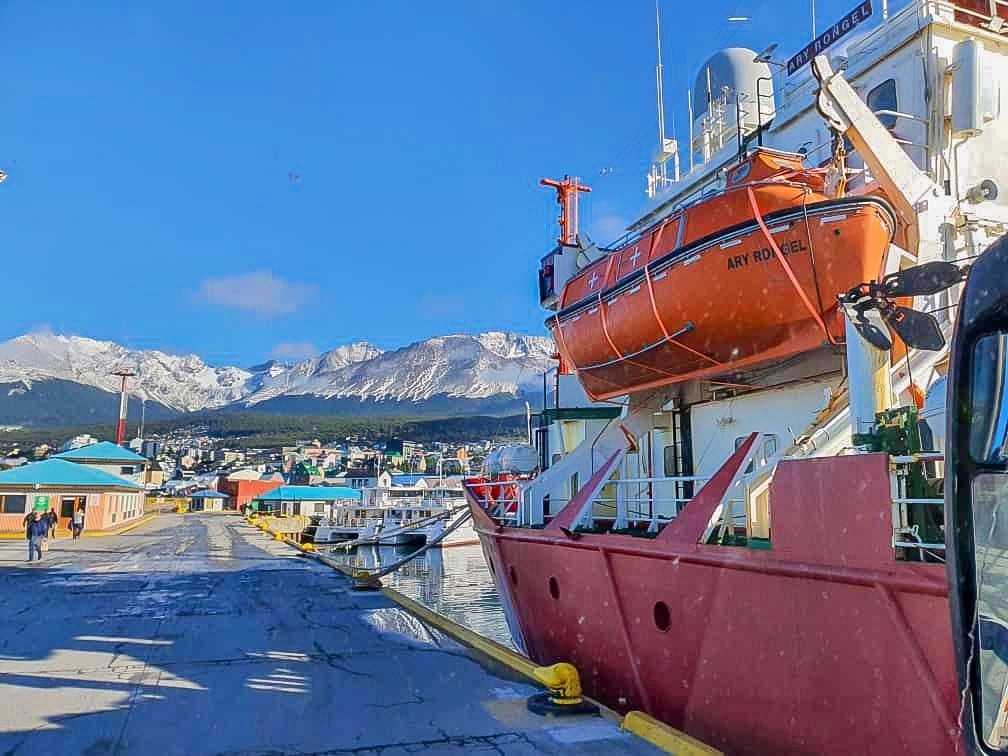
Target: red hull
<point>823,644</point>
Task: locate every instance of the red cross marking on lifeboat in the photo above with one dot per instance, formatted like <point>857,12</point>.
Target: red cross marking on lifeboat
<point>593,279</point>
<point>633,257</point>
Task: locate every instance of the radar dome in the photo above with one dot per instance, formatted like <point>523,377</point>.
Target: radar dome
<point>735,69</point>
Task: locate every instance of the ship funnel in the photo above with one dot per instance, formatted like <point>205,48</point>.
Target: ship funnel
<point>733,90</point>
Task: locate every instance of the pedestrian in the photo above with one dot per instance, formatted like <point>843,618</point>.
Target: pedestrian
<point>53,520</point>
<point>27,524</point>
<point>78,523</point>
<point>37,530</point>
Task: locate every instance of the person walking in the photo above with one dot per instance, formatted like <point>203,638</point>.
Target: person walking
<point>53,520</point>
<point>78,523</point>
<point>38,528</point>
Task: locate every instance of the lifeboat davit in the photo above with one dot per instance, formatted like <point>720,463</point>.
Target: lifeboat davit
<point>745,277</point>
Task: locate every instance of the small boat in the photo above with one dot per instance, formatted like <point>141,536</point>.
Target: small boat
<point>346,524</point>
<point>743,277</point>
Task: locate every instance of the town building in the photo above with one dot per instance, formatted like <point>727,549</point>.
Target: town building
<point>306,500</point>
<point>207,501</point>
<point>242,486</point>
<point>84,439</point>
<point>108,501</point>
<point>109,458</point>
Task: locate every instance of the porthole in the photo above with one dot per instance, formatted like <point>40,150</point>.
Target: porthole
<point>836,232</point>
<point>662,616</point>
<point>554,588</point>
<point>513,575</point>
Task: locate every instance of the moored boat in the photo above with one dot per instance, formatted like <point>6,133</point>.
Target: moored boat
<point>746,540</point>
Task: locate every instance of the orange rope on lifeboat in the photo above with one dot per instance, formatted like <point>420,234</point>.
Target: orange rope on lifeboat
<point>787,268</point>
<point>664,330</point>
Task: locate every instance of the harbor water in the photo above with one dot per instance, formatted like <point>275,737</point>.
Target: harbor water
<point>454,582</point>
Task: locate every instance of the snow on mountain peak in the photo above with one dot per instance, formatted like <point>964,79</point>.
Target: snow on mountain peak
<point>457,365</point>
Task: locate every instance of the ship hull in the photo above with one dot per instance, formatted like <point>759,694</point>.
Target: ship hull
<point>821,644</point>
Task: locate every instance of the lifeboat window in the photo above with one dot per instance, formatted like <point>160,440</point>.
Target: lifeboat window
<point>883,97</point>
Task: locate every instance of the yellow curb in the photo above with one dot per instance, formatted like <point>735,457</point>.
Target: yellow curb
<point>493,649</point>
<point>642,725</point>
<point>661,735</point>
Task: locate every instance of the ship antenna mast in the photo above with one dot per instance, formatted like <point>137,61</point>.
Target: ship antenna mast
<point>567,197</point>
<point>661,99</point>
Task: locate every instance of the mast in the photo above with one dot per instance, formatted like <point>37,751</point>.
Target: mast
<point>663,171</point>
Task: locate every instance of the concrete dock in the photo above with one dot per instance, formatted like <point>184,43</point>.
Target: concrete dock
<point>197,634</point>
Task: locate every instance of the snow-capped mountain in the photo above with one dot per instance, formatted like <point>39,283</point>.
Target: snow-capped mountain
<point>456,366</point>
<point>460,365</point>
<point>183,383</point>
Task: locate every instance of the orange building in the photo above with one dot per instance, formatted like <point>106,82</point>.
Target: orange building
<point>240,491</point>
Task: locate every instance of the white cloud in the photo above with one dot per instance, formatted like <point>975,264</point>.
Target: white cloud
<point>259,291</point>
<point>295,350</point>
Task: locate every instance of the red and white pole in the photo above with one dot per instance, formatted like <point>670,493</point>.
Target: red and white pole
<point>121,428</point>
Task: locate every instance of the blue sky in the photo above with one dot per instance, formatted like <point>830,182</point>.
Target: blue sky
<point>249,179</point>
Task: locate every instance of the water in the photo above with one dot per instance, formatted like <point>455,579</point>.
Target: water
<point>454,582</point>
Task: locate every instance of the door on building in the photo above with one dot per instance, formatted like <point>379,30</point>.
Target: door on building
<point>69,505</point>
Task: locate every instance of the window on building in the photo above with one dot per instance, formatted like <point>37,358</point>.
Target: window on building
<point>126,470</point>
<point>883,97</point>
<point>13,503</point>
<point>319,508</point>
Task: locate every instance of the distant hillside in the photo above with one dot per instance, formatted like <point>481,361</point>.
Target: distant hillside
<point>57,402</point>
<point>273,430</point>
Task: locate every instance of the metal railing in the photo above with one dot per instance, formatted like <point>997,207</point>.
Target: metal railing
<point>644,500</point>
<point>905,534</point>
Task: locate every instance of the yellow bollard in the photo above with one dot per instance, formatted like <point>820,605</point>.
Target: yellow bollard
<point>564,696</point>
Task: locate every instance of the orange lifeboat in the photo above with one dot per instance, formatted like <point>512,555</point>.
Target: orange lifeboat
<point>745,277</point>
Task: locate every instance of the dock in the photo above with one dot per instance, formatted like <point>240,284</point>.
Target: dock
<point>200,634</point>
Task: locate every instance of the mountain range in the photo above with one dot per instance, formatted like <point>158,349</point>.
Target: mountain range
<point>47,378</point>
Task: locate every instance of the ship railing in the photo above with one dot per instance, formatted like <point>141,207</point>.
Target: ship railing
<point>656,501</point>
<point>750,483</point>
<point>503,509</point>
<point>906,534</point>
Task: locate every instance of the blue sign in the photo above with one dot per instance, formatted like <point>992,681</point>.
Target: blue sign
<point>828,37</point>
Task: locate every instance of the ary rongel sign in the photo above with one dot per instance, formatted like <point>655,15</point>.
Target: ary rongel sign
<point>828,37</point>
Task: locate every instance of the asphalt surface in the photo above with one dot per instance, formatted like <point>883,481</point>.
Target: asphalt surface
<point>197,634</point>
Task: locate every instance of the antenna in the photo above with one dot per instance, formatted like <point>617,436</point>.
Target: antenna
<point>661,100</point>
<point>689,107</point>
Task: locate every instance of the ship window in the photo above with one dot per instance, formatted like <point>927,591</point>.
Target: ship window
<point>739,441</point>
<point>662,616</point>
<point>554,588</point>
<point>769,445</point>
<point>883,97</point>
<point>671,463</point>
